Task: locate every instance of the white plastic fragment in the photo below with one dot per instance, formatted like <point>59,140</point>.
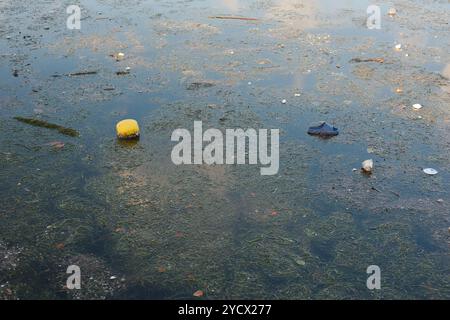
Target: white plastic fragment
<point>283,101</point>
<point>430,171</point>
<point>120,56</point>
<point>417,106</point>
<point>398,47</point>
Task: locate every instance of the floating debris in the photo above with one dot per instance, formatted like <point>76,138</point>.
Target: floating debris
<point>120,56</point>
<point>297,94</point>
<point>127,129</point>
<point>367,166</point>
<point>392,12</point>
<point>45,124</point>
<point>398,90</point>
<point>112,277</point>
<point>82,73</point>
<point>198,294</point>
<point>398,47</point>
<point>323,130</point>
<point>430,171</point>
<point>233,18</point>
<point>300,261</point>
<point>59,246</point>
<point>359,60</point>
<point>122,73</point>
<point>417,106</point>
<point>199,85</point>
<point>162,269</point>
<point>283,101</point>
<point>57,144</point>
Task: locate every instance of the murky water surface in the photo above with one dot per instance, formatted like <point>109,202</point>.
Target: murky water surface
<point>140,227</point>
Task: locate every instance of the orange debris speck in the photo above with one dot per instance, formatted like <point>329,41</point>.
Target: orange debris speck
<point>198,293</point>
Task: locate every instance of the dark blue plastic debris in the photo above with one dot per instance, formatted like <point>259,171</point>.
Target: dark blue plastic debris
<point>324,130</point>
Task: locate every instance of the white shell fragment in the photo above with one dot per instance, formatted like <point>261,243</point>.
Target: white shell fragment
<point>367,166</point>
<point>417,106</point>
<point>430,171</point>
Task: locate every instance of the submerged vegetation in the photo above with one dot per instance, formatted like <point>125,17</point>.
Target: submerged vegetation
<point>48,125</point>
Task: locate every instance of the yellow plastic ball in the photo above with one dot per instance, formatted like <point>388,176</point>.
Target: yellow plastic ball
<point>127,129</point>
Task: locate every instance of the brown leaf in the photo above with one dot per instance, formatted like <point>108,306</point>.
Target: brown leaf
<point>190,277</point>
<point>59,246</point>
<point>162,269</point>
<point>179,234</point>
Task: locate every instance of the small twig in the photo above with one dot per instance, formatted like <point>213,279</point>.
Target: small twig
<point>358,60</point>
<point>375,189</point>
<point>395,193</point>
<point>82,73</point>
<point>234,18</point>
